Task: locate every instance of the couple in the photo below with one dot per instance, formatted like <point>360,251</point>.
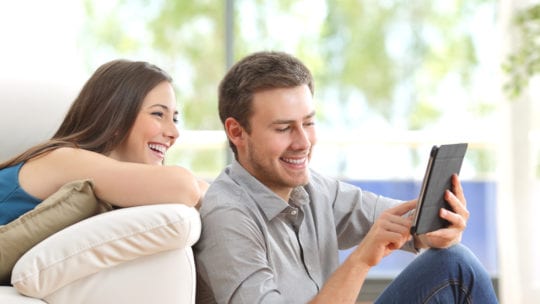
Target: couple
<point>271,226</point>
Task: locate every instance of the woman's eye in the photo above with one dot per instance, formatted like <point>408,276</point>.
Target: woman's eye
<point>175,120</point>
<point>158,114</point>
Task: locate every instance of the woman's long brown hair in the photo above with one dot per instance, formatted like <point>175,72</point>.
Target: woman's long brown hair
<point>104,111</point>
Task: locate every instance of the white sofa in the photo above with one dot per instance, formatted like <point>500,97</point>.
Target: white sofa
<point>132,255</point>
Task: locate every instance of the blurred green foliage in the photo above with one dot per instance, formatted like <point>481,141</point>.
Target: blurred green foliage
<point>395,54</point>
<point>521,65</point>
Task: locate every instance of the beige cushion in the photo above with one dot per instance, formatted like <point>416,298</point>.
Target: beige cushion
<point>103,242</point>
<point>72,203</point>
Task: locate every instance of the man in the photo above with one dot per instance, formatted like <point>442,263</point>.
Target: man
<point>272,227</point>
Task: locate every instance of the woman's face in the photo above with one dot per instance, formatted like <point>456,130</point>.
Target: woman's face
<point>154,130</point>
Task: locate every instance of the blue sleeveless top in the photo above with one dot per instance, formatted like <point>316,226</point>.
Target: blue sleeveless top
<point>14,201</point>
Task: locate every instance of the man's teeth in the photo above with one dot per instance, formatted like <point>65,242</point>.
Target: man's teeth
<point>159,148</point>
<point>294,161</point>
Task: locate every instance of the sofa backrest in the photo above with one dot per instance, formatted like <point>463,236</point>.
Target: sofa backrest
<point>30,112</point>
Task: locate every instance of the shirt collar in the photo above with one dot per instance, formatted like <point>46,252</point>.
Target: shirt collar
<point>270,203</point>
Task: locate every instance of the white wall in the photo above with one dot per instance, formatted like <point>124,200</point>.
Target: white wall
<point>40,70</point>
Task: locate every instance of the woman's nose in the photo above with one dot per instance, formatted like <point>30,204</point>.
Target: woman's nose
<point>171,130</point>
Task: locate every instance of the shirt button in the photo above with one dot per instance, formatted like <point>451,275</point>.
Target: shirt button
<point>294,212</point>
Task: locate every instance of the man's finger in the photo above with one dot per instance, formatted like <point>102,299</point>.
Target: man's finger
<point>458,189</point>
<point>457,205</point>
<point>403,208</point>
<point>455,219</point>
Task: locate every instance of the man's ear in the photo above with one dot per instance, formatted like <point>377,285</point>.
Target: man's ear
<point>234,131</point>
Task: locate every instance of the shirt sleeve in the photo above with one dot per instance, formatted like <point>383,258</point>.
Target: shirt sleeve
<point>355,210</point>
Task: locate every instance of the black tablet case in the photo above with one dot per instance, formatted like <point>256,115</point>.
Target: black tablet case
<point>444,161</point>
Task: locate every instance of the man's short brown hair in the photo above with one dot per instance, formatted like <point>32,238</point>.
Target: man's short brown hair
<point>257,72</point>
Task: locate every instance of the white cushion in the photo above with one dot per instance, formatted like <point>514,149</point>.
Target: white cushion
<point>102,242</point>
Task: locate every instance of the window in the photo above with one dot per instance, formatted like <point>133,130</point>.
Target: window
<point>392,77</point>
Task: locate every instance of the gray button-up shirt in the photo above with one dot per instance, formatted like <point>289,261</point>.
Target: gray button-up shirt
<point>257,248</point>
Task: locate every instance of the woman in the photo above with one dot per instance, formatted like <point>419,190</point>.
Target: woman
<point>116,133</point>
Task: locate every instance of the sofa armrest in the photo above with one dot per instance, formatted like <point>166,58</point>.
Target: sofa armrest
<point>9,295</point>
<point>104,241</point>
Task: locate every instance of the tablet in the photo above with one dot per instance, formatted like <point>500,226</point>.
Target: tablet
<point>444,161</point>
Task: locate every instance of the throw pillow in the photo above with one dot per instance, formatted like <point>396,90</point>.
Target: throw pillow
<point>72,203</point>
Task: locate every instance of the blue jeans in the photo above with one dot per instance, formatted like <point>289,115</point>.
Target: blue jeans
<point>452,275</point>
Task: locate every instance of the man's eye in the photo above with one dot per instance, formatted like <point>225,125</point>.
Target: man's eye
<point>285,129</point>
